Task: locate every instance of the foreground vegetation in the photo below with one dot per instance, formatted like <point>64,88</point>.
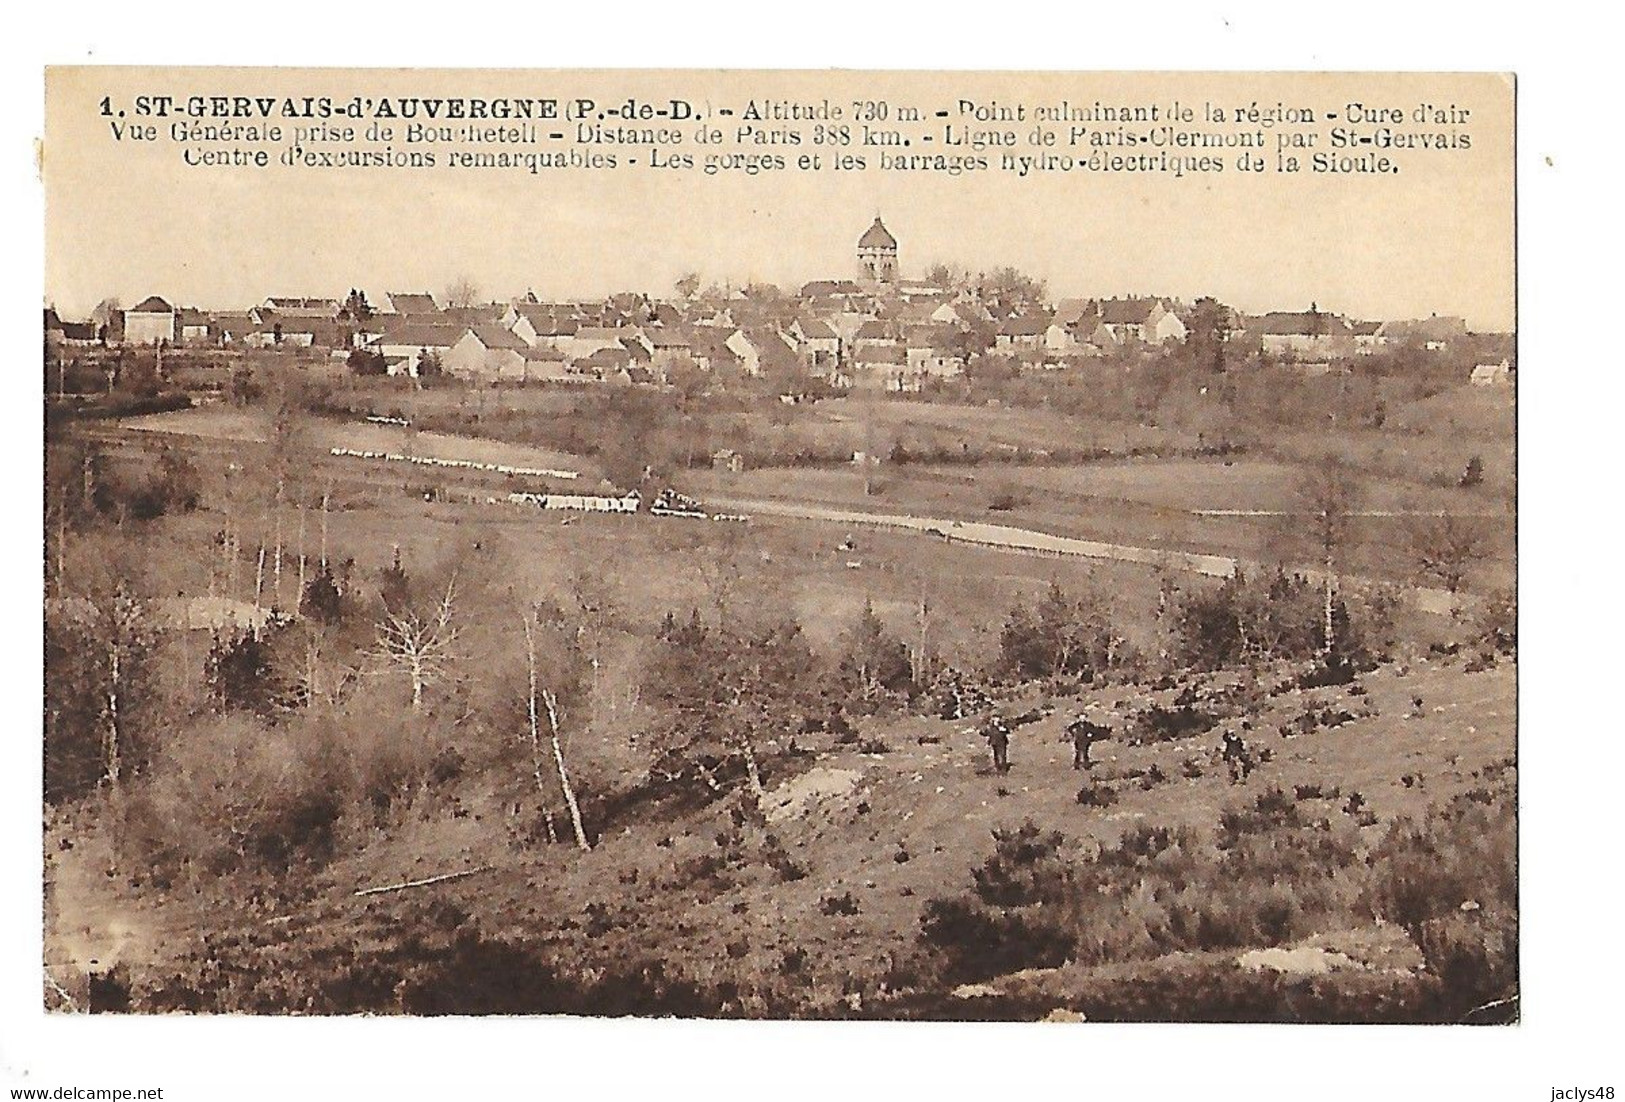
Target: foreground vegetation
<point>611,766</point>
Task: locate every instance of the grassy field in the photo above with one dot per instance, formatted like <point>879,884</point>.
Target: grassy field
<point>228,424</point>
<point>1146,502</point>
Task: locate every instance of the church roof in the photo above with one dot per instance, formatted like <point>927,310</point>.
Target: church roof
<point>877,236</point>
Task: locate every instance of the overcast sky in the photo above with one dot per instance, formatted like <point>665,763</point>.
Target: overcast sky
<point>128,219</point>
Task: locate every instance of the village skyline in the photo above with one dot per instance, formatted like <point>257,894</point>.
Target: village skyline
<point>880,330</point>
<point>212,294</point>
<point>379,290</point>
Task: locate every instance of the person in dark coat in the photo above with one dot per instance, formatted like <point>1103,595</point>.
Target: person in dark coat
<point>997,733</point>
<point>1083,734</point>
<point>1235,755</point>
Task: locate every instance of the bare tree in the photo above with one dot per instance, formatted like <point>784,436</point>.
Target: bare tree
<point>108,318</point>
<point>1445,546</point>
<point>549,699</point>
<point>462,291</point>
<point>421,646</point>
<point>1328,496</point>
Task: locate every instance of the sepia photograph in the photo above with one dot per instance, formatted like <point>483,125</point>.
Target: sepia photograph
<point>942,557</point>
<point>780,545</point>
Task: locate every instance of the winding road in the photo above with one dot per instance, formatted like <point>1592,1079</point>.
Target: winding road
<point>1006,537</point>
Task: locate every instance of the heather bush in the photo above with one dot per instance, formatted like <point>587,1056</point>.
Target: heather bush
<point>1450,881</point>
<point>1272,873</point>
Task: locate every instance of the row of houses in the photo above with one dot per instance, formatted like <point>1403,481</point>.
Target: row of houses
<point>879,331</point>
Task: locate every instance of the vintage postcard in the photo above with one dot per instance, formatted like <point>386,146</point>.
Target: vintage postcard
<point>780,545</point>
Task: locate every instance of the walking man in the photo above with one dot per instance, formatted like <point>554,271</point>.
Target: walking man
<point>997,733</point>
<point>1235,755</point>
<point>1083,734</point>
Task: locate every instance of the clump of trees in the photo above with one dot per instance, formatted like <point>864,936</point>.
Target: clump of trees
<point>873,665</point>
<point>727,689</point>
<point>1063,635</point>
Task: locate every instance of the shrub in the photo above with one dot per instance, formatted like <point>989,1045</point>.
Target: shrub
<point>1160,724</point>
<point>842,904</point>
<point>231,792</point>
<point>1025,868</point>
<point>1451,882</point>
<point>1497,622</point>
<point>242,670</point>
<point>1097,795</point>
<point>1274,876</point>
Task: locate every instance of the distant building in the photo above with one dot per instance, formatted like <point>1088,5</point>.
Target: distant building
<point>877,254</point>
<point>1434,333</point>
<point>1368,337</point>
<point>832,288</point>
<point>59,332</point>
<point>150,321</point>
<point>404,343</point>
<point>1308,335</point>
<point>762,351</point>
<point>1021,331</point>
<point>1493,374</point>
<point>537,322</point>
<point>486,352</point>
<point>291,307</point>
<point>1140,321</point>
<point>192,325</point>
<point>930,352</point>
<point>409,302</point>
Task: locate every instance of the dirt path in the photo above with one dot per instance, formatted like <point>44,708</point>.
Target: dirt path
<point>1005,537</point>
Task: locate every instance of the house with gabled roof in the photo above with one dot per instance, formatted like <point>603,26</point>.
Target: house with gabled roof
<point>304,331</point>
<point>1368,337</point>
<point>405,340</point>
<point>59,332</point>
<point>150,321</point>
<point>409,302</point>
<point>883,366</point>
<point>191,325</point>
<point>762,350</point>
<point>486,352</point>
<point>232,328</point>
<point>537,322</point>
<point>1023,331</point>
<point>933,351</point>
<point>1140,320</point>
<point>818,343</point>
<point>588,339</point>
<point>668,344</point>
<point>709,348</point>
<point>604,363</point>
<point>873,331</point>
<point>1307,335</point>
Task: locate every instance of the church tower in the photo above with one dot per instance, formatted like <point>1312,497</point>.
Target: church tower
<point>877,254</point>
